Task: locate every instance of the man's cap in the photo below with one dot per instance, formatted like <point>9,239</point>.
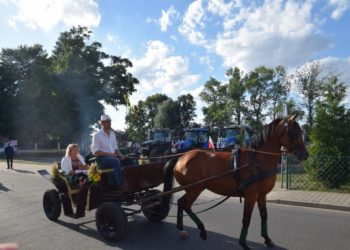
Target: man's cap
<point>105,118</point>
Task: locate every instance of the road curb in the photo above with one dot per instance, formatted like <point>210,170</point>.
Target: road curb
<point>310,204</point>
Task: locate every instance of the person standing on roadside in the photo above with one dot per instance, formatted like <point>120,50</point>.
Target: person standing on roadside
<point>9,152</point>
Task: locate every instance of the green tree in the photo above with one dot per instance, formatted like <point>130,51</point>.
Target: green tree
<point>330,136</point>
<point>309,86</point>
<point>152,103</point>
<point>217,112</point>
<point>168,115</point>
<point>187,109</point>
<point>236,92</point>
<point>29,85</point>
<point>136,119</point>
<point>8,91</point>
<point>60,97</point>
<point>140,117</point>
<point>280,87</point>
<point>259,91</point>
<point>86,81</point>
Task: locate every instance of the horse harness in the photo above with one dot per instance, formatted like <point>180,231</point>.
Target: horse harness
<point>243,184</point>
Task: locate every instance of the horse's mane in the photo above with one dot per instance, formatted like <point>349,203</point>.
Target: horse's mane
<point>260,139</point>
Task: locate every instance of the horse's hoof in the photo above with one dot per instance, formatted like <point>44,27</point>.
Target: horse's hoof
<point>184,234</point>
<point>269,243</point>
<point>244,245</point>
<point>203,235</point>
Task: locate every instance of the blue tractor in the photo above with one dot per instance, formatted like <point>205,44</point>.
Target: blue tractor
<point>233,135</point>
<point>194,138</point>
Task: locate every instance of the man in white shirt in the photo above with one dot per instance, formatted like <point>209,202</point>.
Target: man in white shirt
<point>104,146</point>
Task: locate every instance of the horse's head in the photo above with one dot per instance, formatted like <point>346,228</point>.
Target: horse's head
<point>292,139</point>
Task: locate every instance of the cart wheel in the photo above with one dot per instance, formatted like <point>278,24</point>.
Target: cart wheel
<point>52,204</point>
<point>159,212</point>
<point>111,221</point>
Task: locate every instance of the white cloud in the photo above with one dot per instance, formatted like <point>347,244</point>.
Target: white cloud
<point>160,71</point>
<point>271,34</point>
<point>341,6</point>
<point>193,24</point>
<point>48,14</point>
<point>206,60</point>
<point>219,7</point>
<point>165,19</point>
<point>110,37</point>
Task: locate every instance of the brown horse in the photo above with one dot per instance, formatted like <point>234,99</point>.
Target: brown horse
<point>255,178</point>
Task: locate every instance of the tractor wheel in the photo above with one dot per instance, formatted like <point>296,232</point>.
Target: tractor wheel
<point>52,204</point>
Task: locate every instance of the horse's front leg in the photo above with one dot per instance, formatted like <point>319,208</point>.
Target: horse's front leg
<point>247,214</point>
<point>263,215</point>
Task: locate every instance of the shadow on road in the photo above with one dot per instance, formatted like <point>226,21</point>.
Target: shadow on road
<point>146,235</point>
<point>3,188</point>
<point>23,171</point>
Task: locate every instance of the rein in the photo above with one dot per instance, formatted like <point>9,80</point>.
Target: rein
<point>156,157</point>
<point>260,152</point>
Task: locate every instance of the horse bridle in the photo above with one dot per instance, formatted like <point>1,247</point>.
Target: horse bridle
<point>292,135</point>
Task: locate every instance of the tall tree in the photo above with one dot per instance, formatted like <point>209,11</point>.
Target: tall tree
<point>59,97</point>
<point>330,136</point>
<point>217,112</point>
<point>152,103</point>
<point>87,80</point>
<point>136,119</point>
<point>309,86</point>
<point>168,115</point>
<point>236,92</point>
<point>259,91</point>
<point>30,81</point>
<point>187,106</point>
<point>280,87</point>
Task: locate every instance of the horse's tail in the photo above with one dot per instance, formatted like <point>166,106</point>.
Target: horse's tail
<point>168,182</point>
<point>169,174</point>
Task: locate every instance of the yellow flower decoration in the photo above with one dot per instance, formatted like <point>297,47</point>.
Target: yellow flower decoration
<point>94,174</point>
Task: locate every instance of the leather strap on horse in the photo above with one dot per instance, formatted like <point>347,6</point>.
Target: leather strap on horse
<point>217,204</point>
<point>260,152</point>
<point>156,157</point>
<point>241,185</point>
<point>244,184</point>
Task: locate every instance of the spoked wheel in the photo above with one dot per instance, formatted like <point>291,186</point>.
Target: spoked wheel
<point>159,211</point>
<point>52,204</point>
<point>111,221</point>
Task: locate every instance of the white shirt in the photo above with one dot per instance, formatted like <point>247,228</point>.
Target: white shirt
<point>102,142</point>
<point>66,163</point>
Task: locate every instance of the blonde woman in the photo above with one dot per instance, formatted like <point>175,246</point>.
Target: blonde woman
<point>73,165</point>
<point>73,161</point>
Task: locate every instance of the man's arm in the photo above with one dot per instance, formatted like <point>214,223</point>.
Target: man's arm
<point>118,154</point>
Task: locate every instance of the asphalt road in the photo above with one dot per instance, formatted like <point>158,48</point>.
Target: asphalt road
<point>22,220</point>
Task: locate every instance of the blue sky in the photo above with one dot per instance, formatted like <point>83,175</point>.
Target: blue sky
<point>176,46</point>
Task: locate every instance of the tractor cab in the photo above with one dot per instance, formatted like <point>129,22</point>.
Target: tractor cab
<point>158,141</point>
<point>194,138</point>
<point>233,135</point>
